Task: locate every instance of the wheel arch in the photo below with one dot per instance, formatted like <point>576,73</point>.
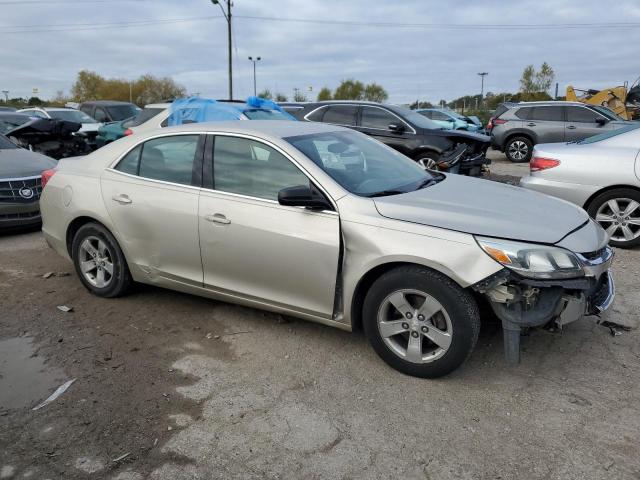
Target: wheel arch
<point>425,149</point>
<point>609,188</point>
<point>519,133</point>
<point>367,280</point>
<point>75,225</point>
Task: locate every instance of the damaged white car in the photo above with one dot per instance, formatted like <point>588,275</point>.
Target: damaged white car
<point>326,224</point>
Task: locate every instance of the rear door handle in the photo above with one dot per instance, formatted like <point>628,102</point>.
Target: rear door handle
<point>217,218</point>
<point>122,199</point>
<point>571,127</point>
<point>531,124</point>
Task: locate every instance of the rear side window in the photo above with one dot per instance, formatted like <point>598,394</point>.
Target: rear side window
<point>145,115</point>
<point>552,114</point>
<point>100,115</point>
<point>524,113</point>
<point>317,115</point>
<point>169,159</point>
<point>581,115</point>
<point>340,115</point>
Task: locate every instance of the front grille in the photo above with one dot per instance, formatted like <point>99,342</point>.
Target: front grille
<point>18,216</point>
<point>20,190</point>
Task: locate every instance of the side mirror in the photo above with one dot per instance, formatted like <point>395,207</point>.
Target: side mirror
<point>303,196</point>
<point>601,121</point>
<point>396,127</point>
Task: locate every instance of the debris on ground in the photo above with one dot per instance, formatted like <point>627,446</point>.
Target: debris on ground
<point>615,329</point>
<point>48,275</point>
<point>64,308</point>
<point>59,391</point>
<point>121,457</point>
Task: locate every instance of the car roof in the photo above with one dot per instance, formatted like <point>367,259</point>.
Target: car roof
<point>549,103</point>
<point>105,102</point>
<point>272,128</point>
<point>158,105</point>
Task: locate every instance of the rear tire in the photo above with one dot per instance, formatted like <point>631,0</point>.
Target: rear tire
<point>519,149</point>
<point>420,322</point>
<point>99,261</point>
<point>618,212</point>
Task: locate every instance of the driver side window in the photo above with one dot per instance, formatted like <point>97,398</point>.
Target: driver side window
<point>251,168</point>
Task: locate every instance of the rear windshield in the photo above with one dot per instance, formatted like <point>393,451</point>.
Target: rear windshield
<point>145,115</point>
<point>609,134</point>
<point>121,112</point>
<point>500,110</point>
<point>266,115</point>
<point>5,143</point>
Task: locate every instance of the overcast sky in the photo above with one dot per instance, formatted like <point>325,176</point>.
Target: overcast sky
<point>410,61</point>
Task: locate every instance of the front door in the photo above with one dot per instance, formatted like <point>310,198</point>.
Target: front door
<point>375,121</point>
<point>254,247</point>
<point>152,198</point>
<point>582,123</point>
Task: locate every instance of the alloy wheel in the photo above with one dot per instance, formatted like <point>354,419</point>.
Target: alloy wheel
<point>96,262</point>
<point>518,150</point>
<point>415,326</point>
<point>620,217</point>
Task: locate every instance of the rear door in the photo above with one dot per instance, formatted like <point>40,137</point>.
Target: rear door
<point>547,122</point>
<point>582,123</point>
<point>255,248</point>
<point>152,198</point>
<point>375,121</point>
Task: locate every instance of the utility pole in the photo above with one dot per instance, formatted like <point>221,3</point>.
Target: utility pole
<point>257,59</point>
<point>130,92</point>
<point>482,75</point>
<point>227,16</point>
<point>6,95</point>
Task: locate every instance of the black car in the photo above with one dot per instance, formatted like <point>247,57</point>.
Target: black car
<point>405,130</point>
<point>105,111</point>
<point>10,120</point>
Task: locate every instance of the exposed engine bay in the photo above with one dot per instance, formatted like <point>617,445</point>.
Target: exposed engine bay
<point>53,138</point>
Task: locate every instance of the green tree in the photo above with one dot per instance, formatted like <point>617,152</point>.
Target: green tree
<point>419,104</point>
<point>281,97</point>
<point>349,90</point>
<point>266,94</point>
<point>35,102</point>
<point>375,93</point>
<point>534,85</point>
<point>324,94</point>
<point>87,86</point>
<point>299,96</point>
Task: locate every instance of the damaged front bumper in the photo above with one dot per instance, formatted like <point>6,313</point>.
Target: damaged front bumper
<point>464,159</point>
<point>522,303</point>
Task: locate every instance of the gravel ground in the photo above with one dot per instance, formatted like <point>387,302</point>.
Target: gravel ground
<point>171,386</point>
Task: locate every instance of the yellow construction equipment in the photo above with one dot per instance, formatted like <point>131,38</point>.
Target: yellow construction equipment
<point>622,100</point>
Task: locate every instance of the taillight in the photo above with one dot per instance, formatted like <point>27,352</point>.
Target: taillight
<point>46,176</point>
<point>128,132</point>
<point>498,121</point>
<point>540,163</point>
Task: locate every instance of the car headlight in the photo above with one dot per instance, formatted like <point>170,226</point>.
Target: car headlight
<point>531,260</point>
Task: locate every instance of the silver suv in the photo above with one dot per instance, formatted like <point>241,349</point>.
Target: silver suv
<point>522,125</point>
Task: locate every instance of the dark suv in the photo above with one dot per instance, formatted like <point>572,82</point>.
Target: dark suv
<point>105,111</point>
<point>517,127</point>
<point>405,130</point>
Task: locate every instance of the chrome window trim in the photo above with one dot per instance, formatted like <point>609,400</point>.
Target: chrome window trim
<point>18,179</point>
<point>413,131</point>
<point>111,167</point>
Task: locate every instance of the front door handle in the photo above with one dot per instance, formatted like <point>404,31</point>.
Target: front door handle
<point>122,199</point>
<point>217,218</point>
<point>531,124</point>
<point>571,127</point>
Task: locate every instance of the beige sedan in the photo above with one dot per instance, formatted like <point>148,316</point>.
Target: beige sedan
<point>326,224</point>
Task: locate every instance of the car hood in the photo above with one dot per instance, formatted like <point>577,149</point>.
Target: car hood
<point>483,207</point>
<point>19,163</point>
<point>462,134</point>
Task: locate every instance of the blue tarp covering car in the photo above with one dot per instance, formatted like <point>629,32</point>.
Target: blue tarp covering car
<point>196,110</point>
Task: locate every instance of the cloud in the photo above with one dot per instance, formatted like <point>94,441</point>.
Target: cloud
<point>409,61</point>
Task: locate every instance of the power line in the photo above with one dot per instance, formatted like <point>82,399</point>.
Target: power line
<point>53,2</point>
<point>41,28</point>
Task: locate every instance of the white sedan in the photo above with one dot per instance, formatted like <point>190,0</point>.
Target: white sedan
<point>600,174</point>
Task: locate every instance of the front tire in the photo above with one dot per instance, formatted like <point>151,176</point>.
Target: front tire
<point>519,149</point>
<point>99,261</point>
<point>420,322</point>
<point>427,160</point>
<point>618,212</point>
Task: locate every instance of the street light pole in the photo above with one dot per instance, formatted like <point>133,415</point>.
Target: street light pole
<point>482,75</point>
<point>257,59</point>
<point>6,95</point>
<point>227,16</point>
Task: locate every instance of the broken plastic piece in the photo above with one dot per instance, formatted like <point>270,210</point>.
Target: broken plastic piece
<point>59,391</point>
<point>64,308</point>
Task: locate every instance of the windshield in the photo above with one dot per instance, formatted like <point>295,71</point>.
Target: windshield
<point>363,165</point>
<point>609,134</point>
<point>72,116</point>
<point>5,143</point>
<point>121,112</point>
<point>418,120</point>
<point>610,114</point>
<point>9,122</point>
<point>266,115</point>
<point>146,115</point>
